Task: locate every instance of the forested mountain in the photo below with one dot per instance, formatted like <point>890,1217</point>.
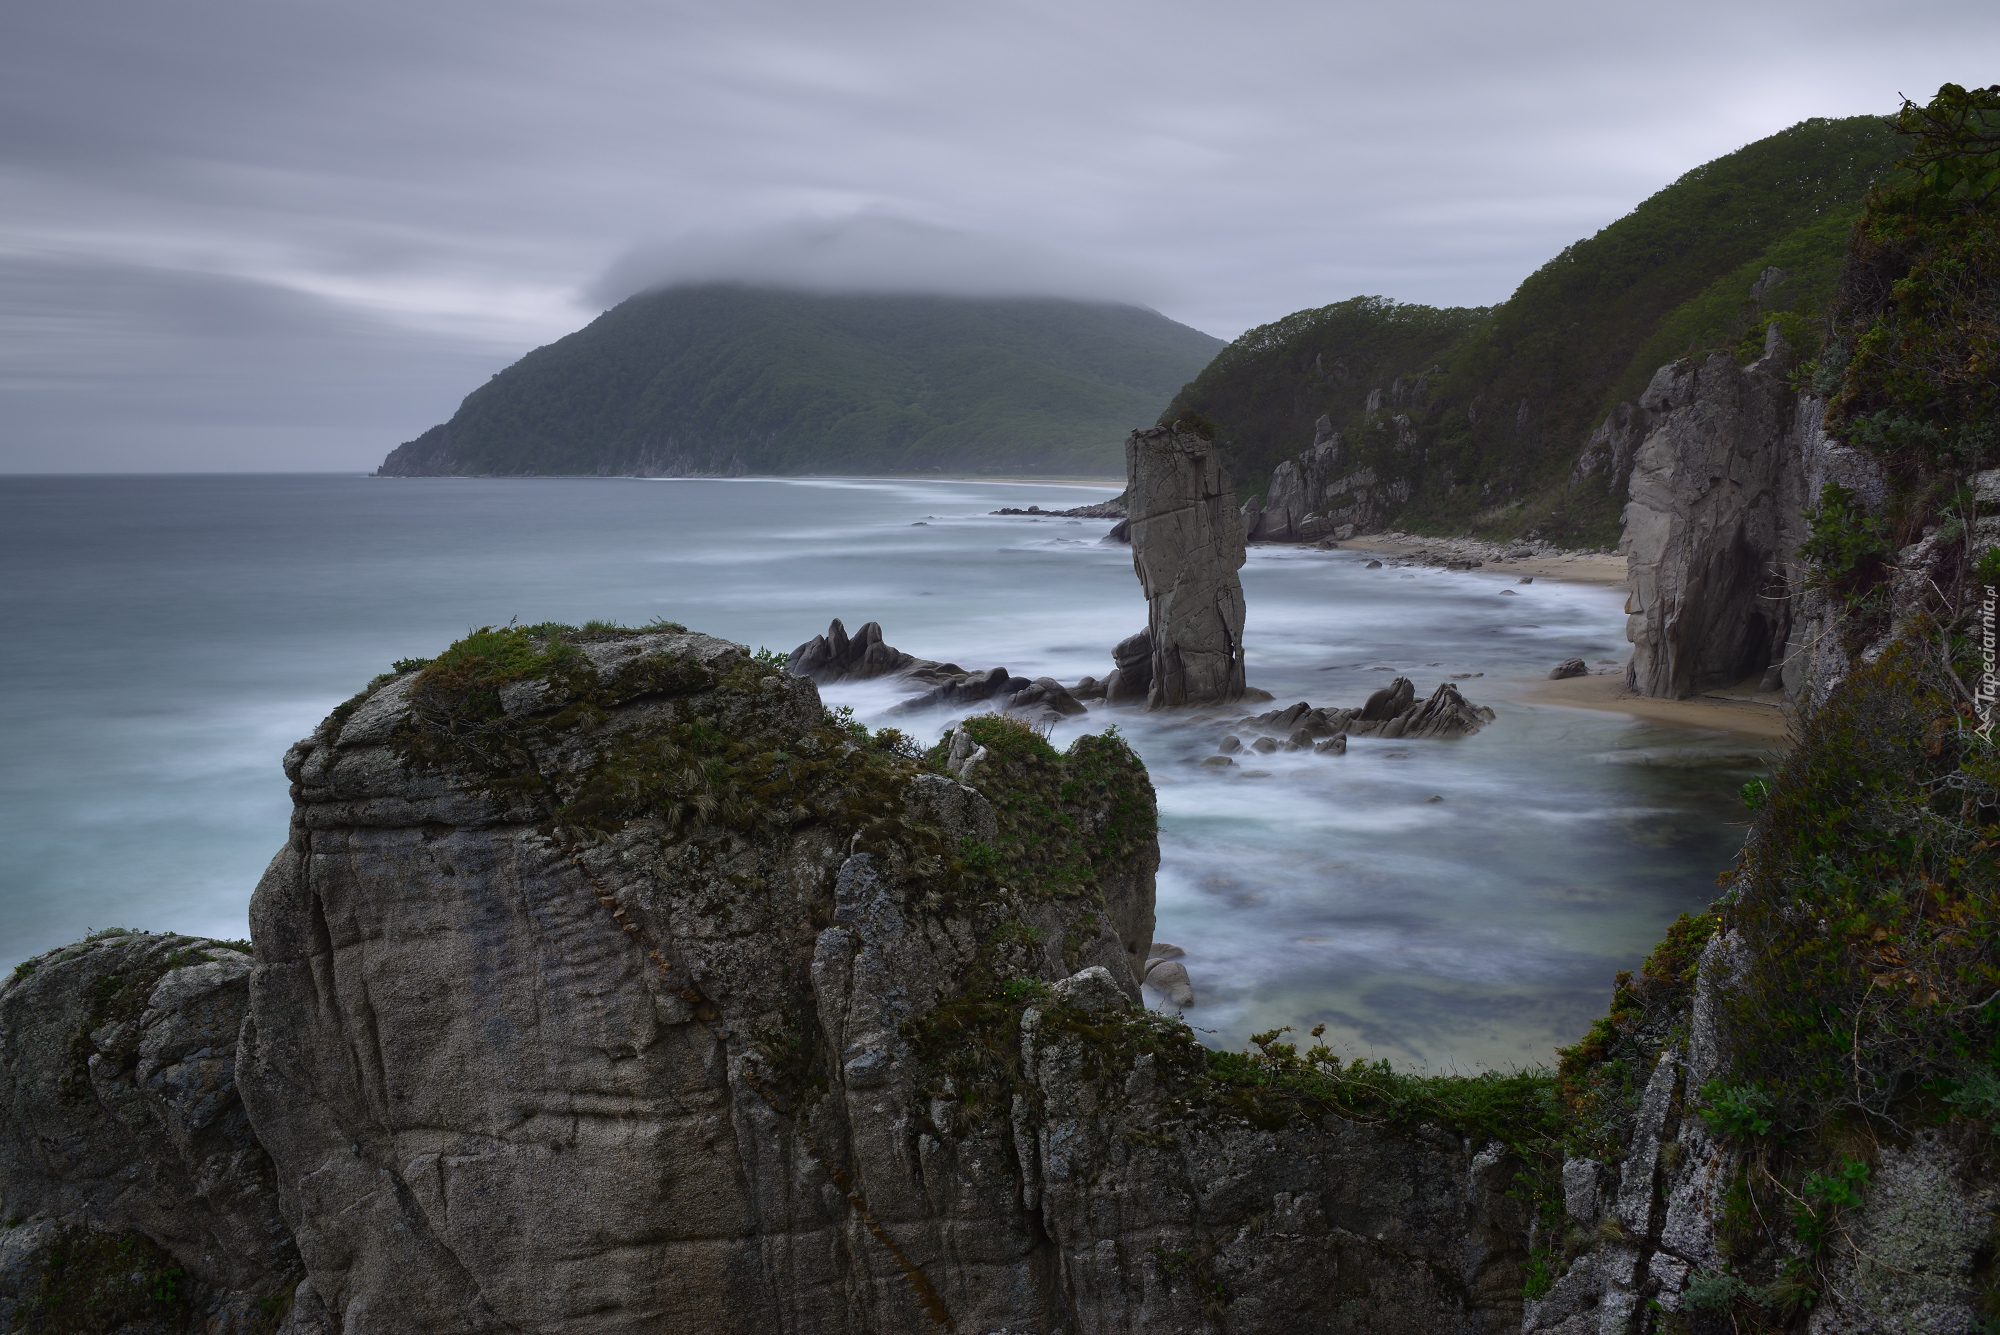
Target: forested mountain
<point>1480,415</point>
<point>725,379</point>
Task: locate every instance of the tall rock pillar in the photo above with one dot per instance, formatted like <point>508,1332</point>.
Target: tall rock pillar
<point>1708,529</point>
<point>1187,545</point>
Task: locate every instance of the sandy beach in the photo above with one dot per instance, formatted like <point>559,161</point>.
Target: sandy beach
<point>1762,717</point>
<point>1742,710</point>
<point>1603,568</point>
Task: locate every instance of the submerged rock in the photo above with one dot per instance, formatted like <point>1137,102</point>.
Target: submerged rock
<point>1171,978</point>
<point>1131,680</point>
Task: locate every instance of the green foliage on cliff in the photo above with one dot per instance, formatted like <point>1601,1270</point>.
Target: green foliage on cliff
<point>1917,335</point>
<point>721,378</point>
<point>1066,819</point>
<point>1869,900</point>
<point>89,1283</point>
<point>1509,395</point>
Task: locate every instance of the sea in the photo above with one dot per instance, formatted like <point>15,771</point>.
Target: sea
<point>1445,905</point>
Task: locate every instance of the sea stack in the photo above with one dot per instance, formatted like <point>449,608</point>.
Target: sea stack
<point>1187,545</point>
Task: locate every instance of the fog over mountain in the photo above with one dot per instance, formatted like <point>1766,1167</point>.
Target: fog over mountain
<point>242,237</point>
<point>875,253</point>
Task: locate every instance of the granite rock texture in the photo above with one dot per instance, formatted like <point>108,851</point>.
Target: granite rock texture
<point>1187,545</point>
<point>1712,524</point>
<point>541,1042</point>
<point>122,1112</point>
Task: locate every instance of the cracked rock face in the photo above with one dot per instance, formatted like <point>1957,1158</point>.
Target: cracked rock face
<point>1711,524</point>
<point>122,1112</point>
<point>628,991</point>
<point>1187,545</point>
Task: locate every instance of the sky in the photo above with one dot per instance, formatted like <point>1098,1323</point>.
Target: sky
<point>287,237</point>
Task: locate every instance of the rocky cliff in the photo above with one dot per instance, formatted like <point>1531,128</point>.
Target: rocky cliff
<point>608,982</point>
<point>123,1120</point>
<point>1187,545</point>
<point>1713,522</point>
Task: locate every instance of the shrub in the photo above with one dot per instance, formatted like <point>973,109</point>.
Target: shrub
<point>1847,548</point>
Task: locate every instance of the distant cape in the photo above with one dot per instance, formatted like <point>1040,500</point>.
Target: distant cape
<point>723,380</point>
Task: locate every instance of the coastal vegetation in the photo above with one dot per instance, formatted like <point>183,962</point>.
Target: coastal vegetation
<point>1857,982</point>
<point>726,379</point>
<point>1485,410</point>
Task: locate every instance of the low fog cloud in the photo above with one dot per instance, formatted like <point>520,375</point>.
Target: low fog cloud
<point>872,253</point>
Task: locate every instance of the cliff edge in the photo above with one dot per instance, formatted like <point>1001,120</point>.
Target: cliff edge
<point>608,982</point>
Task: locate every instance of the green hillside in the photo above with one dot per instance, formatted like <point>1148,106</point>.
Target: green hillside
<point>1509,395</point>
<point>726,378</point>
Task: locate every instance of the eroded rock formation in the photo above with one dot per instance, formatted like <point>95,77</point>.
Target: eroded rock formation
<point>608,983</point>
<point>1712,523</point>
<point>119,1077</point>
<point>1187,545</point>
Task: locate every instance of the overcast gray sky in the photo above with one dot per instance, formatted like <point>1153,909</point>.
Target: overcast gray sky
<point>290,236</point>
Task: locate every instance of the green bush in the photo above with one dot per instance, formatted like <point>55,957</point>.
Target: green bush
<point>1738,1112</point>
<point>1846,547</point>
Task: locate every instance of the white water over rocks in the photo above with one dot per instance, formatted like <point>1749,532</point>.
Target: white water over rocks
<point>1459,903</point>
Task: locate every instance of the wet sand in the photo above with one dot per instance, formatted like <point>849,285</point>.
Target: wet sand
<point>1741,710</point>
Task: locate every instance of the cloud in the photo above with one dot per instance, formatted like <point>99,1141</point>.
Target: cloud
<point>107,367</point>
<point>873,253</point>
<point>441,187</point>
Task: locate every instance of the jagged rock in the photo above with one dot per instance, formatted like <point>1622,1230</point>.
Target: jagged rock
<point>591,1055</point>
<point>1131,681</point>
<point>1611,447</point>
<point>834,657</point>
<point>1101,510</point>
<point>1331,746</point>
<point>1582,1185</point>
<point>1569,667</point>
<point>119,1075</point>
<point>1092,989</point>
<point>1445,714</point>
<point>970,689</point>
<point>1298,487</point>
<point>1709,529</point>
<point>1090,688</point>
<point>1044,693</point>
<point>1911,1260</point>
<point>629,993</point>
<point>1187,546</point>
<point>1390,701</point>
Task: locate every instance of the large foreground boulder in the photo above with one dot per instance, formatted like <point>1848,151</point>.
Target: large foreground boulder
<point>608,983</point>
<point>123,1121</point>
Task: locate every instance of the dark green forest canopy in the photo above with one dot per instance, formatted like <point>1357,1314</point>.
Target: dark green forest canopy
<point>1510,394</point>
<point>792,382</point>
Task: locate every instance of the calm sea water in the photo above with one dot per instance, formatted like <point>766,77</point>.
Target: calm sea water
<point>168,637</point>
